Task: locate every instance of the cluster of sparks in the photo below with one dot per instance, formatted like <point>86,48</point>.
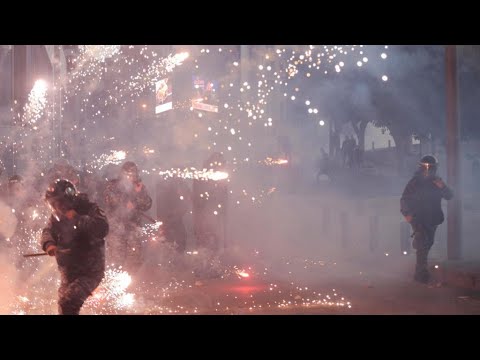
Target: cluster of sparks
<point>133,69</point>
<point>100,52</point>
<point>111,296</point>
<point>37,101</point>
<point>115,157</point>
<point>192,173</point>
<point>270,161</point>
<point>150,231</point>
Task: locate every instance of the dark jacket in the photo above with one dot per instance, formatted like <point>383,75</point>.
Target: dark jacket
<point>116,198</point>
<point>422,200</point>
<point>173,199</point>
<point>80,242</point>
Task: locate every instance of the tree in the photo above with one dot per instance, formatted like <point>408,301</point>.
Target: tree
<point>412,101</point>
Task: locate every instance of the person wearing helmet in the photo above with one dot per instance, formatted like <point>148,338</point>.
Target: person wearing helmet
<point>209,200</point>
<point>126,198</point>
<point>209,209</point>
<point>23,206</point>
<point>173,203</point>
<point>75,235</point>
<point>16,192</point>
<point>421,205</point>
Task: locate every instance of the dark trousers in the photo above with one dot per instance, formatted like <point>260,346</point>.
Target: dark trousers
<point>423,238</point>
<point>175,232</point>
<point>74,290</point>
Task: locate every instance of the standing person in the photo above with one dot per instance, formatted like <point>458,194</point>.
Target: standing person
<point>75,236</point>
<point>209,205</point>
<point>322,165</point>
<point>345,150</point>
<point>24,206</point>
<point>209,200</point>
<point>173,203</point>
<point>126,198</point>
<point>421,204</point>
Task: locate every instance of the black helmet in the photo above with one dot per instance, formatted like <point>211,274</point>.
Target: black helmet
<point>15,179</point>
<point>130,169</point>
<point>61,190</point>
<point>428,165</point>
<point>429,160</point>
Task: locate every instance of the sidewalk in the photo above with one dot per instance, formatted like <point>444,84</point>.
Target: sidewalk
<point>459,274</point>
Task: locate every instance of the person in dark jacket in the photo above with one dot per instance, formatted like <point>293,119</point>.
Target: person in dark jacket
<point>209,206</point>
<point>75,236</point>
<point>173,203</point>
<point>126,199</point>
<point>421,204</point>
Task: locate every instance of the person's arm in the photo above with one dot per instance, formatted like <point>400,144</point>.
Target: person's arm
<point>49,238</point>
<point>407,200</point>
<point>447,193</point>
<point>95,222</point>
<point>141,200</point>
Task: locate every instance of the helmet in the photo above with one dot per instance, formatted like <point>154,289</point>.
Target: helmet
<point>15,182</point>
<point>130,168</point>
<point>429,159</point>
<point>15,179</point>
<point>61,191</point>
<point>428,165</point>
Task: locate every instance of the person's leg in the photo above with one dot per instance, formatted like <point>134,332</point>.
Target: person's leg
<point>74,291</point>
<point>423,241</point>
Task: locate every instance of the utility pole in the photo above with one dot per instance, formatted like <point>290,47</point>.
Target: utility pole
<point>454,206</point>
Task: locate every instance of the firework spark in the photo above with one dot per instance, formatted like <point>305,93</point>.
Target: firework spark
<point>37,100</point>
<point>111,296</point>
<point>115,157</point>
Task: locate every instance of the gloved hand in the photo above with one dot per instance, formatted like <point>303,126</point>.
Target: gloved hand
<point>439,182</point>
<point>51,250</point>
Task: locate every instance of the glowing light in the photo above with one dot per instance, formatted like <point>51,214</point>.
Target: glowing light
<point>243,274</point>
<point>111,294</point>
<point>321,122</point>
<point>115,157</point>
<point>384,77</point>
<point>383,56</point>
<point>100,52</point>
<point>270,161</point>
<point>37,100</point>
